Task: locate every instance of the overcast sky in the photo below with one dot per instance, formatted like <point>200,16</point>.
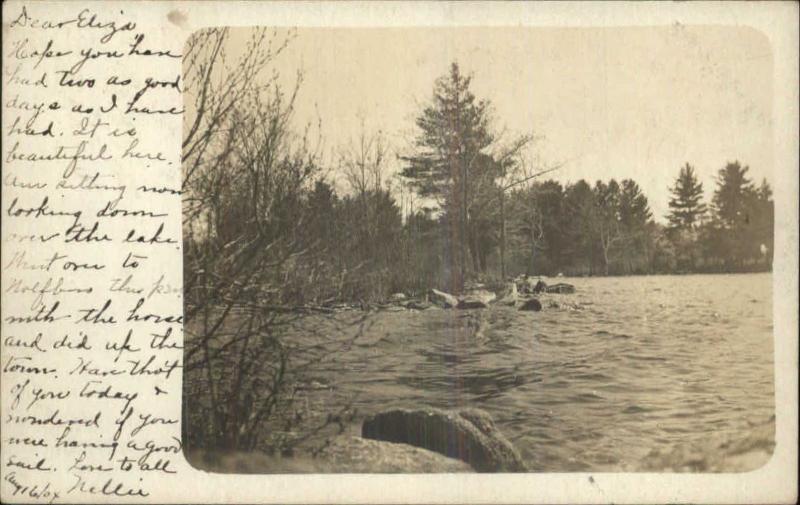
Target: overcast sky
<point>621,102</point>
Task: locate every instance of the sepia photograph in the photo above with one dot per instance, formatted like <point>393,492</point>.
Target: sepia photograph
<point>478,249</point>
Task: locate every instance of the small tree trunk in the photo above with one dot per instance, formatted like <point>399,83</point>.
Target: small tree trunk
<point>463,228</point>
<point>502,235</point>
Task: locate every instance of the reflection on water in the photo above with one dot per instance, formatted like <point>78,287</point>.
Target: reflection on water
<point>647,364</point>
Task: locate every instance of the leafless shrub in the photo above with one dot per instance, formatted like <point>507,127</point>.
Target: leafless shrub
<point>244,173</point>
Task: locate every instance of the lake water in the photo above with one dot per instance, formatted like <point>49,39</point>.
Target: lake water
<point>646,364</point>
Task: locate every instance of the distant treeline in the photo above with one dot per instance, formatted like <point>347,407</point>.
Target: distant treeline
<point>364,244</point>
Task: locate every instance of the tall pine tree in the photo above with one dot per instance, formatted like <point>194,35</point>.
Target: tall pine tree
<point>454,131</point>
<point>733,216</point>
<point>634,217</point>
<point>686,206</point>
<point>734,189</point>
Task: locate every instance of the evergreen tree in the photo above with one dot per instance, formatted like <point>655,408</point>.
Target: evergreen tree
<point>762,224</point>
<point>322,201</point>
<point>686,206</point>
<point>454,130</point>
<point>608,230</point>
<point>634,216</point>
<point>764,191</point>
<point>733,212</point>
<point>580,217</point>
<point>634,209</point>
<point>730,200</point>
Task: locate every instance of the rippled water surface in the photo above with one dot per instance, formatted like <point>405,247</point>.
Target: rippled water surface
<point>646,363</point>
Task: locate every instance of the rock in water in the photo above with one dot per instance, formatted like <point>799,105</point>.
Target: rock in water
<point>524,284</point>
<point>443,299</point>
<point>347,454</point>
<point>540,287</point>
<point>471,303</point>
<point>470,436</point>
<point>532,304</point>
<point>398,297</point>
<point>476,299</point>
<point>561,288</point>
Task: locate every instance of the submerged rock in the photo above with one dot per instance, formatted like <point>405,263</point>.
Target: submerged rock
<point>348,454</point>
<point>531,304</point>
<point>470,436</point>
<point>442,299</point>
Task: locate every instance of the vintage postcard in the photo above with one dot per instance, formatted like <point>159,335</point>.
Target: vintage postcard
<point>324,252</point>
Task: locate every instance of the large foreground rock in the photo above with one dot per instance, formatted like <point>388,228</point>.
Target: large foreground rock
<point>476,299</point>
<point>442,299</point>
<point>470,436</point>
<point>342,454</point>
<point>347,454</point>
